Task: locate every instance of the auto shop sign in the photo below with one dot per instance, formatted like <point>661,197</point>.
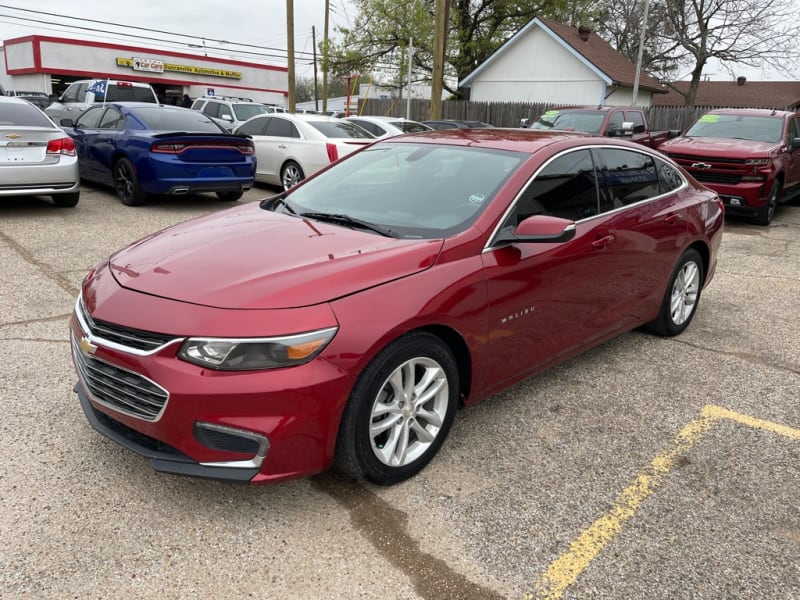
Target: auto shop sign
<point>153,65</point>
<point>148,64</point>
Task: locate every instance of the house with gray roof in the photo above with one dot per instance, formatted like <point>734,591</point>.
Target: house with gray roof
<point>548,62</point>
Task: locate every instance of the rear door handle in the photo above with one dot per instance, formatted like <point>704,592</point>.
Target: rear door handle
<point>602,242</point>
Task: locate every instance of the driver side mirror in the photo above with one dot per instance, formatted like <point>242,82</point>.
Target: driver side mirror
<point>540,229</point>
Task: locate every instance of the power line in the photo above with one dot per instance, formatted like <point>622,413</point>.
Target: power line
<point>134,36</point>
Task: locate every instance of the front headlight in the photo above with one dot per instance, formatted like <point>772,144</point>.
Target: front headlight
<point>250,354</point>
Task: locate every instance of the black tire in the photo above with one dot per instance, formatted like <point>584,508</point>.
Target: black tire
<point>126,184</point>
<point>765,214</point>
<point>682,296</point>
<point>229,196</point>
<point>66,200</point>
<point>424,419</point>
<point>291,175</point>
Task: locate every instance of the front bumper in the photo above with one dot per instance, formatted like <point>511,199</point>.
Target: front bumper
<point>162,457</point>
<point>257,426</point>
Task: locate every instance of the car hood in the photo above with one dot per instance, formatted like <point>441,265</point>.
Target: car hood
<point>717,147</point>
<point>254,259</point>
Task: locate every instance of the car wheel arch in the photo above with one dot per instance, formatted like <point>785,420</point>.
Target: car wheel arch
<point>705,255</point>
<point>447,334</point>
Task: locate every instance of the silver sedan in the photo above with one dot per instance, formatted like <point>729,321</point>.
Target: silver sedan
<point>36,157</point>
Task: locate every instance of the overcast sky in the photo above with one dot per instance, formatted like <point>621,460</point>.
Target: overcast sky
<point>254,30</point>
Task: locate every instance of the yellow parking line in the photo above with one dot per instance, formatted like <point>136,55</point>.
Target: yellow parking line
<point>563,571</point>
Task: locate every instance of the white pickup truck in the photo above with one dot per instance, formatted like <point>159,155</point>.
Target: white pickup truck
<point>80,95</point>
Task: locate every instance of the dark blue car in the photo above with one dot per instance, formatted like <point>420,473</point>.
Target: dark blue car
<point>144,149</point>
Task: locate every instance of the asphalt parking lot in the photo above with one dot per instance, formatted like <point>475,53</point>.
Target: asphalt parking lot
<point>646,468</point>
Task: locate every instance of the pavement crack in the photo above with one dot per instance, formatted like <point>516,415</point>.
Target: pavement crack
<point>385,528</point>
<point>746,356</point>
<point>44,267</point>
<point>62,317</point>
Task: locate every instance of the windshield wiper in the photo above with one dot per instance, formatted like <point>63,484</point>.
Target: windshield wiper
<point>348,220</point>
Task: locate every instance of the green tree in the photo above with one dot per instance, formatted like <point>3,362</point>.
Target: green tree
<point>379,37</point>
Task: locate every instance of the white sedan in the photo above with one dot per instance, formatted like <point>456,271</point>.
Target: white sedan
<point>388,126</point>
<point>289,147</point>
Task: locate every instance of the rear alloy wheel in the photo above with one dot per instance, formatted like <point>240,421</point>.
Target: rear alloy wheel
<point>767,211</point>
<point>291,175</point>
<point>400,411</point>
<point>66,200</point>
<point>229,196</point>
<point>126,184</point>
<point>682,296</point>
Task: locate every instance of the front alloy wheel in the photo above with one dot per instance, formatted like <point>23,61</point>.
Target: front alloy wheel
<point>767,211</point>
<point>400,410</point>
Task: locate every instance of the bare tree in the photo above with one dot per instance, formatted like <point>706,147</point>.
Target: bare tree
<point>684,35</point>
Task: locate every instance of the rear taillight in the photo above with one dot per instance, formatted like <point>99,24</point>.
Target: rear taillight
<point>65,146</point>
<point>177,148</point>
<point>333,152</point>
<point>167,148</point>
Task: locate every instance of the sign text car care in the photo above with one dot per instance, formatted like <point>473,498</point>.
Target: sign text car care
<point>158,66</point>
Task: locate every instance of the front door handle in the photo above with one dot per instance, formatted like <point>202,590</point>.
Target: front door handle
<point>603,242</point>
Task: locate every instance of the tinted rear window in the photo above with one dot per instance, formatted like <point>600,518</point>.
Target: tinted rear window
<point>124,93</point>
<point>176,119</point>
<point>340,129</point>
<point>245,111</point>
<point>22,114</point>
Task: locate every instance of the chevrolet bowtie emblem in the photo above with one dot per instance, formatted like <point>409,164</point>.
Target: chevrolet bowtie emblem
<point>701,165</point>
<point>87,347</point>
<point>13,136</point>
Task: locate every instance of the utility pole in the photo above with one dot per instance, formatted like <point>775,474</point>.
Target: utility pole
<point>325,59</point>
<point>314,43</point>
<point>639,57</point>
<point>408,95</point>
<point>439,51</point>
<point>290,51</point>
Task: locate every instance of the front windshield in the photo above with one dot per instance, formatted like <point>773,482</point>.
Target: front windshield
<point>421,191</point>
<point>571,120</point>
<point>740,127</point>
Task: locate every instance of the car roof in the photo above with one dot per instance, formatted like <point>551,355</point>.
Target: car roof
<point>14,100</point>
<point>113,82</point>
<point>518,140</point>
<point>380,118</point>
<point>759,112</point>
<point>302,116</point>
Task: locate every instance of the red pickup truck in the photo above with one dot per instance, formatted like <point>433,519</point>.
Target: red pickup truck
<point>750,157</point>
<point>612,121</point>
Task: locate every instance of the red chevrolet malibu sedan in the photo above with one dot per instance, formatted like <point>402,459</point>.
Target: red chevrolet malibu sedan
<point>344,322</point>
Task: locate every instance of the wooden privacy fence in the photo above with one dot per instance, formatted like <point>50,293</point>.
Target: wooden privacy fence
<point>510,114</point>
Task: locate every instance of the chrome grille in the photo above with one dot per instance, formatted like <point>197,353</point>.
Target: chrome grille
<point>681,158</point>
<point>146,341</point>
<point>118,388</point>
